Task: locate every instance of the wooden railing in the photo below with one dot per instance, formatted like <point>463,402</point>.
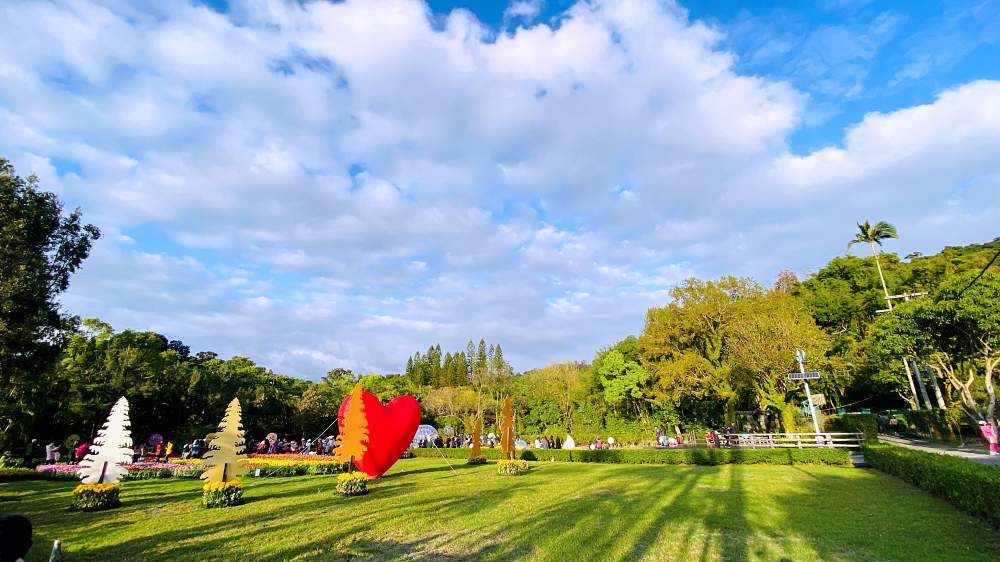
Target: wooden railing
<point>790,440</point>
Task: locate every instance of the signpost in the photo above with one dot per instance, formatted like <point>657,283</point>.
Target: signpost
<point>805,377</point>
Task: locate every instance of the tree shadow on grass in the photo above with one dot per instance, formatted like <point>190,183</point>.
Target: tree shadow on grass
<point>888,519</point>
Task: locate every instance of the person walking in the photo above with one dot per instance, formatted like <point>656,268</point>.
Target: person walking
<point>991,437</point>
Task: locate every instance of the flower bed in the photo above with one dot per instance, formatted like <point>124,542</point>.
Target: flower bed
<point>222,494</point>
<point>293,465</point>
<point>12,474</point>
<point>352,484</point>
<point>136,471</point>
<point>476,460</point>
<point>95,497</point>
<point>512,468</point>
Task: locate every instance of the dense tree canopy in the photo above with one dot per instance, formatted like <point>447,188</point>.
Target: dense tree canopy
<point>40,248</point>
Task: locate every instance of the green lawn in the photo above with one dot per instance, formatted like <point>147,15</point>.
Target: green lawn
<point>565,512</point>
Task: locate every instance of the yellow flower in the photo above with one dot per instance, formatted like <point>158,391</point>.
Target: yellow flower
<point>215,487</point>
<point>348,476</point>
<point>96,488</point>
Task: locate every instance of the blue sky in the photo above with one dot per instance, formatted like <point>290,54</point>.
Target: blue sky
<point>318,184</point>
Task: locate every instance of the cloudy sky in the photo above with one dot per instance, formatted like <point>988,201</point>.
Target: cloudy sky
<point>318,184</point>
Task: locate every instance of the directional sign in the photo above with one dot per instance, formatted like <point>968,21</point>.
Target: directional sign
<point>802,376</point>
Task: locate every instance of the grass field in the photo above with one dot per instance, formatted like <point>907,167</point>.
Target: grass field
<point>423,510</point>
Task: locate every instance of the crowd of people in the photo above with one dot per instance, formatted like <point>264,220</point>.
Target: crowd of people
<point>273,445</point>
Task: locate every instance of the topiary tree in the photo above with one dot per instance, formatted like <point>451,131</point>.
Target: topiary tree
<point>111,449</point>
<point>507,428</point>
<point>225,451</point>
<point>477,432</point>
<point>352,442</point>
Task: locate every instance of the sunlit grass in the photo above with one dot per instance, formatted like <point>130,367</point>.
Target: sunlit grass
<point>423,510</point>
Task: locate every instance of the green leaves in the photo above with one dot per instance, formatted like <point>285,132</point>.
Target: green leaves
<point>39,251</point>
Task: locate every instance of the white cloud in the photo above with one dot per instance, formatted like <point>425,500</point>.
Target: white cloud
<point>525,10</point>
<point>326,184</point>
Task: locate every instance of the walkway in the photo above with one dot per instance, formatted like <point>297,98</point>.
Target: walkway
<point>967,452</point>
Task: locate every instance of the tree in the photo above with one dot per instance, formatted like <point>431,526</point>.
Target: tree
<point>623,379</point>
<point>507,428</point>
<point>39,251</point>
<point>450,403</point>
<point>352,442</point>
<point>966,320</point>
<point>560,385</point>
<point>225,451</point>
<point>111,449</point>
<point>872,235</point>
<point>760,345</point>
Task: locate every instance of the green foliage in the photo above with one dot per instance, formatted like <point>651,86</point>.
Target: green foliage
<point>700,456</point>
<point>935,424</point>
<point>14,474</point>
<point>970,486</point>
<point>40,249</point>
<point>853,423</point>
<point>623,380</point>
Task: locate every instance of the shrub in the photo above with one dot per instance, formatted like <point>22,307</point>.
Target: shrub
<point>476,460</point>
<point>936,424</point>
<point>853,423</point>
<point>12,474</point>
<point>95,497</point>
<point>512,468</point>
<point>685,455</point>
<point>970,486</point>
<point>222,494</point>
<point>352,484</point>
<point>7,461</point>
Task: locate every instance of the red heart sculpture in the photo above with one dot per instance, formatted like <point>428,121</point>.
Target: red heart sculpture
<point>390,430</point>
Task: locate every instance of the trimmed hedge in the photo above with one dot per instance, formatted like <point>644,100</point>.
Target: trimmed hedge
<point>838,457</point>
<point>970,486</point>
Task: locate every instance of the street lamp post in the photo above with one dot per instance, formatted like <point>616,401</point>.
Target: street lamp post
<point>800,356</point>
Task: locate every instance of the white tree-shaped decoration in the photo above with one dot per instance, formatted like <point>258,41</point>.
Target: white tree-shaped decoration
<point>225,451</point>
<point>112,448</point>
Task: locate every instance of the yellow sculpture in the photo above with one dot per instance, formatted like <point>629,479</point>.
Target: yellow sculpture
<point>507,428</point>
<point>477,440</point>
<point>352,442</point>
<point>225,451</point>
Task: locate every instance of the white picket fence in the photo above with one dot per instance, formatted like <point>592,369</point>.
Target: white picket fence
<point>790,440</point>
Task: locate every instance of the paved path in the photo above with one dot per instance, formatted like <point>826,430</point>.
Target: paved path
<point>971,453</point>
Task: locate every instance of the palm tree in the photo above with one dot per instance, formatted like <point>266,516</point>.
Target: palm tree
<point>875,234</point>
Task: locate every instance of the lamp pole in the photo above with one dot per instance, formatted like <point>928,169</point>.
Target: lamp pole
<point>800,356</point>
